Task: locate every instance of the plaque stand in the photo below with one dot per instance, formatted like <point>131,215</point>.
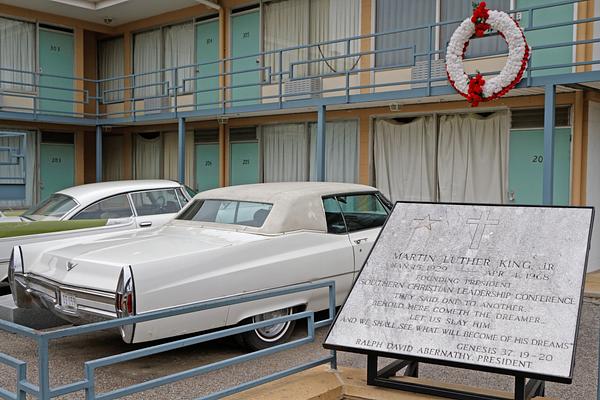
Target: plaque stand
<point>383,377</point>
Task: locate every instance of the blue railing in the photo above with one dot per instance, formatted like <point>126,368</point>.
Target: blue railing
<point>43,390</point>
<point>285,78</point>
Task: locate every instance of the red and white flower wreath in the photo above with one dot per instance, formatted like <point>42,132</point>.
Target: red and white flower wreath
<point>476,89</point>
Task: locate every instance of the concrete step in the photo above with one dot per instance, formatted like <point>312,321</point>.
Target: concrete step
<point>35,318</point>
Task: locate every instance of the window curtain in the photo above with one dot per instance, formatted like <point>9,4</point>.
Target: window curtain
<point>111,64</point>
<point>285,152</point>
<point>179,52</point>
<point>405,159</point>
<point>112,157</point>
<point>341,151</point>
<point>394,15</point>
<point>31,168</point>
<point>473,158</point>
<point>286,25</point>
<point>171,156</point>
<point>332,20</point>
<point>17,52</point>
<point>147,58</point>
<point>457,10</point>
<point>148,156</point>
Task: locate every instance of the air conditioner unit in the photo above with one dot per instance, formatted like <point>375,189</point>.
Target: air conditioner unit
<point>302,89</point>
<point>419,72</point>
<point>157,105</point>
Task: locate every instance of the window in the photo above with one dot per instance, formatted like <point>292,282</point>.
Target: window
<point>341,149</point>
<point>154,202</point>
<point>394,15</point>
<point>182,198</point>
<point>227,212</point>
<point>333,216</point>
<point>168,47</point>
<point>290,23</point>
<point>534,118</point>
<point>147,59</point>
<point>112,207</point>
<point>453,10</point>
<point>354,212</point>
<point>111,64</point>
<point>17,52</point>
<point>53,208</point>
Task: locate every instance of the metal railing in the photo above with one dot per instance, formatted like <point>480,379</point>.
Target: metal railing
<point>272,79</point>
<point>43,390</point>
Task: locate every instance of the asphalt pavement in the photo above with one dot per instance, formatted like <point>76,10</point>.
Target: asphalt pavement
<point>68,355</point>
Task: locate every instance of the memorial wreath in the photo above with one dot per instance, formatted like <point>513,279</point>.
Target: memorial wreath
<point>475,88</point>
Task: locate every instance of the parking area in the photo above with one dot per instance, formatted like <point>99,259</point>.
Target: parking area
<point>67,357</point>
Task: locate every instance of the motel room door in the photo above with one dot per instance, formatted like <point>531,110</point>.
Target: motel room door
<point>526,166</point>
<point>56,57</point>
<point>207,166</point>
<point>207,50</point>
<point>245,41</point>
<point>57,163</point>
<point>244,156</point>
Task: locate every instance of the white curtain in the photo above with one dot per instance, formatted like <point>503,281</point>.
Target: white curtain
<point>31,168</point>
<point>148,155</point>
<point>179,52</point>
<point>473,158</point>
<point>112,157</point>
<point>341,151</point>
<point>332,20</point>
<point>285,152</point>
<point>405,159</point>
<point>286,25</point>
<point>17,52</point>
<point>111,64</point>
<point>147,58</point>
<point>171,155</point>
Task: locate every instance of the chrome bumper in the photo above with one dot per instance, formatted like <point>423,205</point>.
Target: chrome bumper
<point>85,306</point>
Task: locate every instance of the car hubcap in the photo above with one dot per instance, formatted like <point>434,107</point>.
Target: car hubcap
<point>274,332</point>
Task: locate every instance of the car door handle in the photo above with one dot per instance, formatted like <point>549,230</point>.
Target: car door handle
<point>359,241</point>
<point>145,224</point>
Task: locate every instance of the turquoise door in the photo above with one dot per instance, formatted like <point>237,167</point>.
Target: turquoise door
<point>207,50</point>
<point>56,57</point>
<point>243,167</point>
<point>561,34</point>
<point>57,167</point>
<point>245,41</point>
<point>526,166</point>
<point>207,166</point>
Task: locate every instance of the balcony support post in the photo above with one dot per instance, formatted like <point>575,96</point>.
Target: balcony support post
<point>98,153</point>
<point>321,127</point>
<point>181,151</point>
<point>549,121</point>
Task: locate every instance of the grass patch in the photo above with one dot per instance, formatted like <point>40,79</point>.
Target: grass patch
<point>12,229</point>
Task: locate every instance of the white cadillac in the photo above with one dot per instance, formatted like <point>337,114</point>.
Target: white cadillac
<point>116,206</point>
<point>228,241</point>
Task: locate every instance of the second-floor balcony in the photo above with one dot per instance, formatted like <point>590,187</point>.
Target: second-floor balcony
<point>392,66</point>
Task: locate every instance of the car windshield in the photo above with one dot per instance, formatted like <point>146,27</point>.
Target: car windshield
<point>53,208</point>
<point>227,212</point>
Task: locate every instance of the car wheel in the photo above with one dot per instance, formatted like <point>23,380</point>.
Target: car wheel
<point>271,335</point>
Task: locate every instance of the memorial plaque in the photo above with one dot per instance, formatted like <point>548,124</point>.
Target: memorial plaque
<point>491,287</point>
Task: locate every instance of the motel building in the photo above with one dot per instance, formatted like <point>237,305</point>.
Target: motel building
<point>229,92</point>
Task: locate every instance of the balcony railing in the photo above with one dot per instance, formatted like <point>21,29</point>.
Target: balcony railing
<point>281,79</point>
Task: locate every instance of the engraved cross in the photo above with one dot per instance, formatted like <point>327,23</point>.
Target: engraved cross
<point>481,224</point>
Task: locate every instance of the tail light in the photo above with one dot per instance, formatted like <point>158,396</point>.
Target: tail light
<point>125,302</point>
